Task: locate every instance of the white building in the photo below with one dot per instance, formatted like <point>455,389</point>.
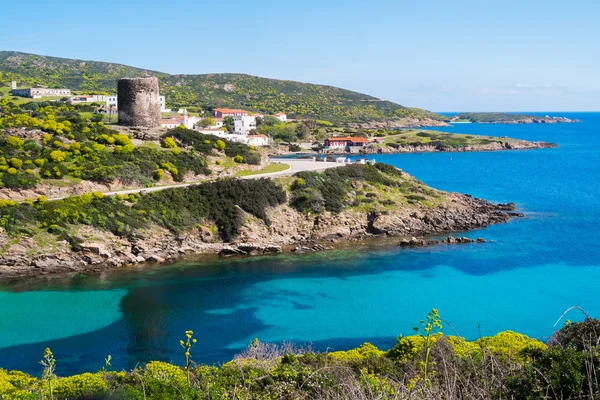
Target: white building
<point>244,124</point>
<point>257,140</point>
<point>111,101</point>
<point>36,93</point>
<point>281,116</point>
<point>114,100</point>
<point>185,120</point>
<point>250,140</point>
<point>87,98</point>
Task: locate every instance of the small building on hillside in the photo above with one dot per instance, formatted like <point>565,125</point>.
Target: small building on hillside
<point>251,140</point>
<point>244,124</point>
<point>114,100</point>
<point>228,112</point>
<point>345,142</point>
<point>185,120</point>
<point>87,98</point>
<point>211,131</point>
<point>281,116</point>
<point>257,140</point>
<point>36,93</point>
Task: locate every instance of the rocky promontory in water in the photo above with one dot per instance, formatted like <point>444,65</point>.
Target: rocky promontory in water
<point>93,232</point>
<point>508,118</point>
<point>426,141</point>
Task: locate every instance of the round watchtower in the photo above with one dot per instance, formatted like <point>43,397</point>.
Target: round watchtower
<point>138,102</point>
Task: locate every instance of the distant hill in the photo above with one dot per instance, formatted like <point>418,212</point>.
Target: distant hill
<point>210,90</point>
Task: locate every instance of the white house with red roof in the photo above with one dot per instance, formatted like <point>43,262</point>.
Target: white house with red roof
<point>345,142</point>
<point>228,112</point>
<point>281,116</point>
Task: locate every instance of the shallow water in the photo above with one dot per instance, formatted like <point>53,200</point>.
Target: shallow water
<point>535,269</point>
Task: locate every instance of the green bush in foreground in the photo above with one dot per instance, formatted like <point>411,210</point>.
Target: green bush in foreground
<point>427,365</point>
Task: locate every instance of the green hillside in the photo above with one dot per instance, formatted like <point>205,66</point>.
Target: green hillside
<point>209,90</point>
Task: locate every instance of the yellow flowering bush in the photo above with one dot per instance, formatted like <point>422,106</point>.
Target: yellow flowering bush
<point>366,350</point>
<point>510,345</point>
<point>85,385</point>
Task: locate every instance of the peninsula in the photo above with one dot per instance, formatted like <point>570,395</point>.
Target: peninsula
<point>508,118</point>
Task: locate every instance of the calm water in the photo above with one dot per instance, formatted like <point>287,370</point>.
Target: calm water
<point>535,269</point>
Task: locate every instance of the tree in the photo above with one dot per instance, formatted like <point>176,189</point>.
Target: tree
<point>206,122</point>
<point>284,133</point>
<point>302,131</point>
<point>271,121</point>
<point>228,124</point>
<point>97,117</point>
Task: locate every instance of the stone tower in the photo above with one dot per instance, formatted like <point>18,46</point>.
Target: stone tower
<point>138,102</point>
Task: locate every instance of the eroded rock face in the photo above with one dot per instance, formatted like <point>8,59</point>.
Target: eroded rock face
<point>138,102</point>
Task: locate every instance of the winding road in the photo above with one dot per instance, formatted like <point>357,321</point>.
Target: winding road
<point>296,165</point>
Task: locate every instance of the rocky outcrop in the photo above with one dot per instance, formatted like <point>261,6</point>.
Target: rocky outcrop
<point>399,123</point>
<point>288,230</point>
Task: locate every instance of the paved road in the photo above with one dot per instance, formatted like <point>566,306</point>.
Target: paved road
<point>295,166</point>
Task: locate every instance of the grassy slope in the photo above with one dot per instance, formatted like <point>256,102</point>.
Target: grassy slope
<point>417,136</point>
<point>209,90</point>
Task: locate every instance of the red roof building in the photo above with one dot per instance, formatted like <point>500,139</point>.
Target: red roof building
<point>342,142</point>
<point>228,112</point>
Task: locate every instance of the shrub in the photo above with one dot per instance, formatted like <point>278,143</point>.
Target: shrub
<point>169,143</point>
<point>52,170</point>
<point>19,180</point>
<point>14,142</point>
<point>164,381</point>
<point>57,156</point>
<point>80,386</point>
<point>15,162</point>
<point>220,145</point>
<point>366,350</point>
<point>238,159</point>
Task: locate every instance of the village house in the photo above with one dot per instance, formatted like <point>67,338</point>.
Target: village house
<point>87,98</point>
<point>257,140</point>
<point>36,93</point>
<point>344,142</point>
<point>185,120</point>
<point>228,112</point>
<point>244,124</point>
<point>281,116</point>
<point>114,101</point>
<point>251,140</point>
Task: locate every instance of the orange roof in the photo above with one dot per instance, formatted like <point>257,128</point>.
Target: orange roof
<point>280,114</point>
<point>353,139</point>
<point>257,136</point>
<point>229,110</point>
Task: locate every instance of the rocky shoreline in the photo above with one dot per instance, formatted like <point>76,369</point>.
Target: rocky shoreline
<point>424,148</point>
<point>289,231</point>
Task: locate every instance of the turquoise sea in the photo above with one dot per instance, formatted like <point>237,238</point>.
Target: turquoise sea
<point>534,269</point>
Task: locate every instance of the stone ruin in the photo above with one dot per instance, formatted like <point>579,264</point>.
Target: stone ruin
<point>138,102</point>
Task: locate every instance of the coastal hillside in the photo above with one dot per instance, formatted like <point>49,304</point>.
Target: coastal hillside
<point>210,90</point>
<point>232,217</point>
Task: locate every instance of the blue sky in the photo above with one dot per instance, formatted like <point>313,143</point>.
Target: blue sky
<point>441,55</point>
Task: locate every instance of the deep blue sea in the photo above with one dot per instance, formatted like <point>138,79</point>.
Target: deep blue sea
<point>534,269</point>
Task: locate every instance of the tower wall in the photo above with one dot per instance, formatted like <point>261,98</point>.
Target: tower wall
<point>138,102</point>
